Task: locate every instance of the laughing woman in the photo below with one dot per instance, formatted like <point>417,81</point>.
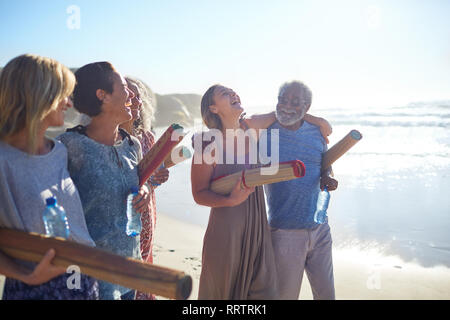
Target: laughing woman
<point>140,127</point>
<point>238,260</point>
<point>34,93</point>
<point>103,162</point>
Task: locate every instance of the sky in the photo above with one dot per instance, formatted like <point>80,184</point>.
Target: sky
<point>351,53</point>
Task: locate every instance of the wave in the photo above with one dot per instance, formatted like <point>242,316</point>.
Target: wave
<point>443,104</point>
<point>389,123</point>
<point>392,114</point>
<point>413,115</point>
<point>419,155</point>
<point>434,113</point>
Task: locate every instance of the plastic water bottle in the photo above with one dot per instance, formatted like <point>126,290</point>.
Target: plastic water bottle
<point>134,225</point>
<point>322,206</point>
<point>55,220</point>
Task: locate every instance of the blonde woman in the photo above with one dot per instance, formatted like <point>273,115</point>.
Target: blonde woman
<point>34,93</point>
<point>140,127</point>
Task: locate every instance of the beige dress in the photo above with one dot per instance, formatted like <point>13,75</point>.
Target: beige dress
<point>238,260</point>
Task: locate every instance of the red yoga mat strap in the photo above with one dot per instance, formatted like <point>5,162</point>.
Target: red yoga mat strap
<point>243,178</point>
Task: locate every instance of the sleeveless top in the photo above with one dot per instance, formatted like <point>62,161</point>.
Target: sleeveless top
<point>238,261</point>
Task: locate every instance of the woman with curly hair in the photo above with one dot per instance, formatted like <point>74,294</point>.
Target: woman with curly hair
<point>140,127</point>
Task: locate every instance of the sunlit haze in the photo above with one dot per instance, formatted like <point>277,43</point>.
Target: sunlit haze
<point>350,53</point>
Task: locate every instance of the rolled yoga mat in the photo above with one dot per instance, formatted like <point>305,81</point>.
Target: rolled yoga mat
<point>340,148</point>
<point>251,178</point>
<point>98,263</point>
<point>159,152</point>
<point>183,154</point>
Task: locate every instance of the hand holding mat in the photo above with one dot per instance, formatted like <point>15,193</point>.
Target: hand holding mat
<point>253,177</point>
<point>97,263</point>
<point>338,150</point>
<point>158,153</point>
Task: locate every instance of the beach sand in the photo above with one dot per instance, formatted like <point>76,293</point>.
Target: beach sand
<point>359,274</point>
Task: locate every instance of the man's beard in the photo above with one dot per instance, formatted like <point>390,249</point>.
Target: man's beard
<point>289,119</point>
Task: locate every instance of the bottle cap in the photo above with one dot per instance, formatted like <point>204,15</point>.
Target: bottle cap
<point>50,201</point>
<point>134,189</point>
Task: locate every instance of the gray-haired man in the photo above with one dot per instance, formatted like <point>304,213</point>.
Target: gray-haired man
<point>300,244</point>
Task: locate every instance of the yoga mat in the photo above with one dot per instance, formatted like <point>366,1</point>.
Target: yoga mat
<point>253,177</point>
<point>183,154</point>
<point>158,153</point>
<point>340,148</point>
<point>98,263</point>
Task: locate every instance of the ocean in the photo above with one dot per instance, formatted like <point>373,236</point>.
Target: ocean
<point>393,185</point>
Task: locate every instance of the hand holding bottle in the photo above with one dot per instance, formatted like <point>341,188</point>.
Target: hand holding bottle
<point>142,200</point>
<point>328,182</point>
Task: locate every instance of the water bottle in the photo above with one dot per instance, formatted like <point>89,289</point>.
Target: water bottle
<point>134,225</point>
<point>322,205</point>
<point>55,220</point>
